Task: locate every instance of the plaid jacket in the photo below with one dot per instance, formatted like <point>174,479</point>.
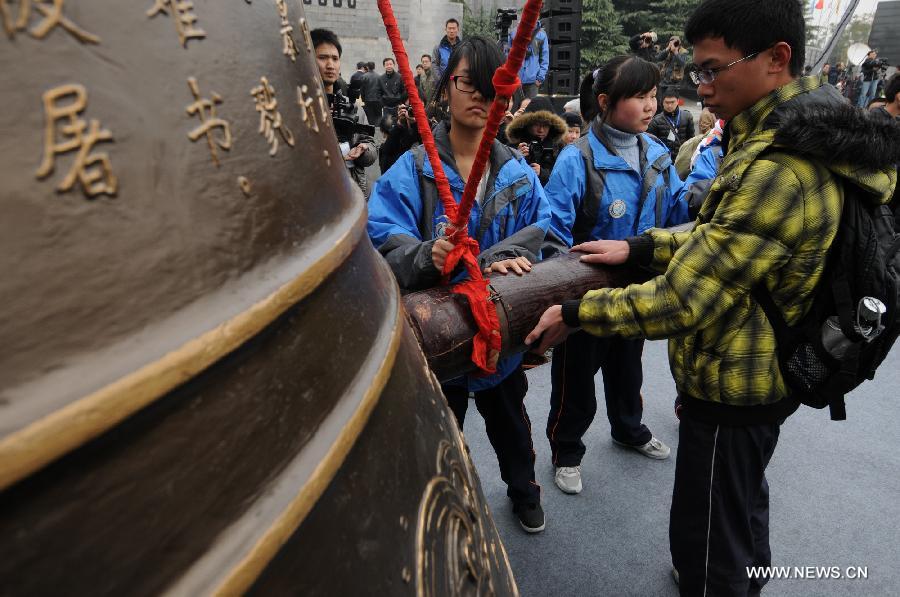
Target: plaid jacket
<point>770,217</point>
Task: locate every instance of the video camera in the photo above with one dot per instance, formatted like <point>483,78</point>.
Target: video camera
<point>346,122</point>
<point>505,17</point>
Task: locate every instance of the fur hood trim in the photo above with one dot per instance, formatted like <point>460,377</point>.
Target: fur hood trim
<point>517,130</point>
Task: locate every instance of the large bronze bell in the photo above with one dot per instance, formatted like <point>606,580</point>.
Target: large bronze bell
<point>207,383</point>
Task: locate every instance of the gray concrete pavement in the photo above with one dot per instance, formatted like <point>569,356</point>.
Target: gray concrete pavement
<point>835,497</point>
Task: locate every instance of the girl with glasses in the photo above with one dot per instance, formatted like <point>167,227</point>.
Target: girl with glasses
<point>509,220</point>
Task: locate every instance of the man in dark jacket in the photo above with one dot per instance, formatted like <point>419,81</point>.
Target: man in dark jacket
<point>442,51</point>
<point>673,126</point>
<point>355,88</point>
<point>538,134</point>
<point>869,70</point>
<point>393,93</point>
<point>792,146</point>
<point>642,45</point>
<point>371,94</point>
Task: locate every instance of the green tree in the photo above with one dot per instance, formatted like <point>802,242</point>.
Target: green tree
<point>601,33</point>
<point>477,23</point>
<point>669,17</point>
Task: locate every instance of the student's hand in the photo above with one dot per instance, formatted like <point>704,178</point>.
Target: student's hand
<point>537,169</point>
<point>523,149</point>
<point>439,251</point>
<point>356,152</point>
<point>508,117</point>
<point>549,331</point>
<point>607,252</point>
<point>520,265</point>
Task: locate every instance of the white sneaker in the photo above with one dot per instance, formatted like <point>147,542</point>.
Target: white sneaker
<point>568,479</point>
<point>653,449</point>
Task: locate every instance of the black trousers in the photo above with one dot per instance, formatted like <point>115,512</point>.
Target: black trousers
<point>719,522</point>
<point>573,398</point>
<point>508,429</point>
<point>373,112</point>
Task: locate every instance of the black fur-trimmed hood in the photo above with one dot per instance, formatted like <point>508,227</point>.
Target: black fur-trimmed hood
<point>860,146</point>
<point>822,124</point>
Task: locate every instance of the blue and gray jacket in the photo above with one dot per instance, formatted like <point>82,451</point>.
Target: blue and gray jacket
<point>594,194</point>
<point>406,216</point>
<point>440,56</point>
<point>537,56</point>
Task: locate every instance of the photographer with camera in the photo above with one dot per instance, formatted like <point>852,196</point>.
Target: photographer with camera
<point>671,69</point>
<point>355,135</point>
<point>642,45</point>
<point>399,137</point>
<point>537,133</point>
<point>872,68</point>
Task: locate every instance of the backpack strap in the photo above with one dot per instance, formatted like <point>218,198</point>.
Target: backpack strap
<point>594,183</point>
<point>425,227</point>
<point>660,166</point>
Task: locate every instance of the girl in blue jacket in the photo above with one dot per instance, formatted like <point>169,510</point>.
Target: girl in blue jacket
<point>617,181</point>
<point>509,221</point>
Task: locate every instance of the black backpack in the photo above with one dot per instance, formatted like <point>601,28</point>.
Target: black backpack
<point>863,261</point>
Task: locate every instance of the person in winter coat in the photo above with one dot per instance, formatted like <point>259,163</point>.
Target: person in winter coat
<point>441,54</point>
<point>684,159</point>
<point>359,151</point>
<point>673,126</point>
<point>537,61</point>
<point>538,134</point>
<point>393,93</point>
<point>509,221</point>
<point>792,147</point>
<point>427,80</point>
<point>615,182</point>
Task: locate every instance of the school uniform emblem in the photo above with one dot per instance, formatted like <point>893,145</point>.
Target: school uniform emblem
<point>618,208</point>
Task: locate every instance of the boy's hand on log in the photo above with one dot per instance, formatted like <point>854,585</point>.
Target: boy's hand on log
<point>439,251</point>
<point>520,265</point>
<point>607,252</point>
<point>549,331</point>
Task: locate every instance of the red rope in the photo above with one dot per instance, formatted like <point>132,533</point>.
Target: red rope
<point>487,342</point>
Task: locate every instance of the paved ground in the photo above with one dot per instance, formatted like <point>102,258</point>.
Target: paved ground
<point>835,497</point>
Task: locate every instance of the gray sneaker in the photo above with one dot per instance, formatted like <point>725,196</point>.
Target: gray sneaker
<point>568,479</point>
<point>653,449</point>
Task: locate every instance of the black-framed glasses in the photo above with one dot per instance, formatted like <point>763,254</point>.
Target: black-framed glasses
<point>464,84</point>
<point>705,76</point>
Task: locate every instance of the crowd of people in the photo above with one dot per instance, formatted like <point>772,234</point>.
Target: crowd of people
<point>607,177</point>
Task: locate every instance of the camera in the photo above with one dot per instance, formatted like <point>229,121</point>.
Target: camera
<point>538,154</point>
<point>505,17</point>
<point>346,123</point>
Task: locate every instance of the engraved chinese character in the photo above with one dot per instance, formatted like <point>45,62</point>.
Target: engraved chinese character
<point>92,169</point>
<point>53,17</point>
<point>289,47</point>
<point>304,30</point>
<point>308,112</point>
<point>269,116</point>
<point>182,12</point>
<point>205,110</point>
